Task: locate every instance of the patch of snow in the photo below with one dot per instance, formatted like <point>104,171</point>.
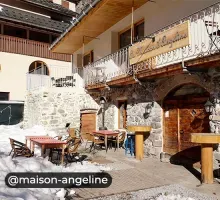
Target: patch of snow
<point>72,192</point>
<point>61,194</point>
<point>33,164</point>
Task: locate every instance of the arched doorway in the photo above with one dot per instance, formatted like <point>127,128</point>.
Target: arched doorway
<point>38,67</point>
<point>184,113</point>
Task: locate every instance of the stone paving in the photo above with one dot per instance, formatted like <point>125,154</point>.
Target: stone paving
<point>131,175</point>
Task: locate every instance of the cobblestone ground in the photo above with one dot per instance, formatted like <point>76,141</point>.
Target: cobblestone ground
<point>131,175</point>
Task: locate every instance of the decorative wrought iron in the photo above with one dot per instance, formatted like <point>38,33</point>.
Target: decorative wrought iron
<point>204,40</point>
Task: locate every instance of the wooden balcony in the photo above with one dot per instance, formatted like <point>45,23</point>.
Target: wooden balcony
<point>30,48</point>
<point>192,43</point>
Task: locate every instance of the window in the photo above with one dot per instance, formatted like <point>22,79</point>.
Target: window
<point>4,96</point>
<point>125,36</point>
<point>88,58</point>
<point>38,67</point>
<point>139,31</point>
<point>14,31</point>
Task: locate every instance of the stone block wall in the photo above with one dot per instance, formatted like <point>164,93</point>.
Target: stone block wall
<point>54,108</point>
<point>138,98</point>
<point>110,117</point>
<point>153,141</point>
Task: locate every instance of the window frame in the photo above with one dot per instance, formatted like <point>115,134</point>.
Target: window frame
<point>8,96</point>
<point>126,29</point>
<point>91,54</point>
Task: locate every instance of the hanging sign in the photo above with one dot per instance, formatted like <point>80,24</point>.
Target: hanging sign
<point>167,41</point>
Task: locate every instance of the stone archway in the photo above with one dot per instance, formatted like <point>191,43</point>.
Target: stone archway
<point>165,86</point>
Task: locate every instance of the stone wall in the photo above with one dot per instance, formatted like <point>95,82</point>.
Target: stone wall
<point>53,108</point>
<point>138,98</point>
<point>209,81</point>
<point>110,117</point>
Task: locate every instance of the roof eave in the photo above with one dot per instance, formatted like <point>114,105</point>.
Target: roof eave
<point>31,24</point>
<point>84,12</point>
<point>73,14</point>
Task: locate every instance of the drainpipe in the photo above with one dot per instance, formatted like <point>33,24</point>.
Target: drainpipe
<point>132,21</point>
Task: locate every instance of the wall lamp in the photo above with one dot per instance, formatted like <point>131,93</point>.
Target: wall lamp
<point>148,110</point>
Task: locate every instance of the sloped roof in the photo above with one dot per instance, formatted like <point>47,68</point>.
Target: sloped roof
<point>20,16</point>
<point>52,6</point>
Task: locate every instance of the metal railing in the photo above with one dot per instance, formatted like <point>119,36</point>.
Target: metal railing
<point>113,65</point>
<point>58,77</point>
<point>204,34</point>
<point>31,48</point>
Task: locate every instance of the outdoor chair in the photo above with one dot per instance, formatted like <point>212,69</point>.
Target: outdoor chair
<point>72,132</point>
<point>19,149</point>
<point>63,82</point>
<point>58,82</point>
<point>96,141</point>
<point>88,137</point>
<point>70,81</point>
<point>53,81</point>
<point>113,140</point>
<point>130,144</point>
<point>71,152</point>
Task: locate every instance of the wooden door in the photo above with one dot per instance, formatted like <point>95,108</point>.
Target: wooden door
<point>193,119</point>
<point>88,123</point>
<point>181,118</point>
<point>170,137</point>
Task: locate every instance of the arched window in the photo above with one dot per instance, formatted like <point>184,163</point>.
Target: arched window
<point>38,67</point>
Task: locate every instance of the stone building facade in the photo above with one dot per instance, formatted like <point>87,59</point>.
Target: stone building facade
<point>139,96</point>
<point>54,108</point>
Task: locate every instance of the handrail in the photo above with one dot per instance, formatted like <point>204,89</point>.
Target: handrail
<point>105,58</point>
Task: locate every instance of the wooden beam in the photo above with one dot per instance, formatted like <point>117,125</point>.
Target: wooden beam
<point>103,16</point>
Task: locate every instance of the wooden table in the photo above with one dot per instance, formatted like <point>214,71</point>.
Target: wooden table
<point>139,139</point>
<point>206,140</point>
<point>48,143</point>
<point>106,134</point>
<point>35,137</point>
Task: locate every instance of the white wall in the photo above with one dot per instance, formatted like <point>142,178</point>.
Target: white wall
<point>14,68</point>
<point>156,16</point>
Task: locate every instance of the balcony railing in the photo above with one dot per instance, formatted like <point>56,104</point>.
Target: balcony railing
<point>105,69</point>
<point>30,48</point>
<point>204,34</point>
<point>59,77</point>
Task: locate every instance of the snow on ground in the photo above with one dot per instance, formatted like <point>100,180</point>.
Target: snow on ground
<point>33,164</point>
